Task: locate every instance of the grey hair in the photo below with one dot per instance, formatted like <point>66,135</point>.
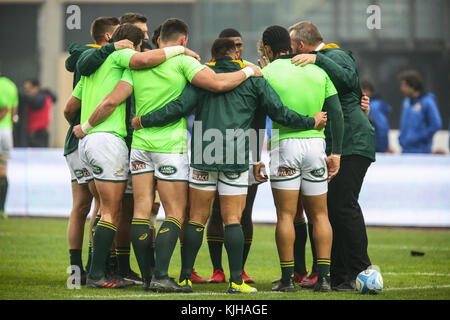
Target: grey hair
<point>307,32</point>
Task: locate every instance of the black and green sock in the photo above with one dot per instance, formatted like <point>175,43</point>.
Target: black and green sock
<point>76,258</point>
<point>287,270</point>
<point>215,245</point>
<point>165,243</point>
<point>141,238</point>
<point>89,261</point>
<point>3,192</point>
<point>313,248</point>
<point>103,239</point>
<point>192,241</point>
<point>233,239</point>
<point>323,268</point>
<point>123,260</point>
<point>301,235</point>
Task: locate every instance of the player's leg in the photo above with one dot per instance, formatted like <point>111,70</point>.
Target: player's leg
<point>301,235</point>
<point>95,218</point>
<point>6,144</point>
<point>247,227</point>
<point>143,194</point>
<point>214,236</point>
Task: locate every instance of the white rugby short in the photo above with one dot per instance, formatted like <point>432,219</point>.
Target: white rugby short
<point>78,172</point>
<point>6,142</point>
<point>226,183</point>
<point>299,164</point>
<point>105,155</point>
<point>166,166</point>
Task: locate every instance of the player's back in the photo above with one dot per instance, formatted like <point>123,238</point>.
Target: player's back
<point>8,91</point>
<point>302,89</point>
<point>155,87</point>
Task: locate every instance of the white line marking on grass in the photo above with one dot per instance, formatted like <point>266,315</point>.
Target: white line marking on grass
<point>150,295</point>
<point>416,274</point>
<point>418,288</point>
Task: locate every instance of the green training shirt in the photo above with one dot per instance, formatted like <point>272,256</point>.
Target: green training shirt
<point>154,88</point>
<point>92,89</point>
<point>290,81</point>
<point>9,98</point>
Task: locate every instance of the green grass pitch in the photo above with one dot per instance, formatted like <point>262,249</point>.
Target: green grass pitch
<point>34,259</point>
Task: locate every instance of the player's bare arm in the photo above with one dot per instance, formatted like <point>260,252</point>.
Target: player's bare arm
<point>73,105</point>
<point>153,58</point>
<point>105,108</point>
<point>222,82</point>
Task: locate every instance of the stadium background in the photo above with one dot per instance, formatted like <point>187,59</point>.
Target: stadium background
<point>414,34</point>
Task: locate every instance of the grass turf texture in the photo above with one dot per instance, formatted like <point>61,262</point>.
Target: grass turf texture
<point>34,259</point>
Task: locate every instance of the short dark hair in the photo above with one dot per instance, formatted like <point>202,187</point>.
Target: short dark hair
<point>128,31</point>
<point>102,25</point>
<point>229,33</point>
<point>413,80</point>
<point>155,36</point>
<point>146,46</point>
<point>172,28</point>
<point>34,82</point>
<point>132,17</point>
<point>278,39</point>
<point>366,83</point>
<point>222,47</point>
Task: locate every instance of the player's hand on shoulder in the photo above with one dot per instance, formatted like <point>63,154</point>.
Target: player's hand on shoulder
<point>259,171</point>
<point>78,132</point>
<point>321,120</point>
<point>136,123</point>
<point>304,59</point>
<point>333,165</point>
<point>122,44</point>
<point>256,71</point>
<point>191,53</point>
<point>263,62</point>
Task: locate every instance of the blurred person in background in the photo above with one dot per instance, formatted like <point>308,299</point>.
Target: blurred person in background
<point>8,113</point>
<point>38,112</point>
<point>378,115</point>
<point>420,118</point>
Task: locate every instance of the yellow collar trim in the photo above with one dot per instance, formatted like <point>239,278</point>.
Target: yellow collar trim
<point>213,63</point>
<point>330,45</point>
<point>93,45</point>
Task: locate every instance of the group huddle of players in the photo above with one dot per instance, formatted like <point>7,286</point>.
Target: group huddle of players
<point>127,148</point>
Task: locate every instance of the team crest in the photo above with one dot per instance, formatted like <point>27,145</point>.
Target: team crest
<point>232,175</point>
<point>286,172</point>
<point>318,172</point>
<point>79,173</point>
<point>167,170</point>
<point>199,175</point>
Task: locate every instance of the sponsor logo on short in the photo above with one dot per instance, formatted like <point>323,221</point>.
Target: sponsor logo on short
<point>143,237</point>
<point>119,171</point>
<point>318,172</point>
<point>86,173</point>
<point>200,175</point>
<point>167,170</point>
<point>232,175</point>
<point>286,172</point>
<point>97,170</point>
<point>138,165</point>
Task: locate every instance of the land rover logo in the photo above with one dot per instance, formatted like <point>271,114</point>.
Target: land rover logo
<point>318,172</point>
<point>167,170</point>
<point>232,175</point>
<point>97,170</point>
<point>79,173</point>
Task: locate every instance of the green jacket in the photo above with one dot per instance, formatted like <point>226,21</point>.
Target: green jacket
<point>91,62</point>
<point>359,134</point>
<point>218,112</point>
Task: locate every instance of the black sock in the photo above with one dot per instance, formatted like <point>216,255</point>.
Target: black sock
<point>123,260</point>
<point>233,239</point>
<point>247,245</point>
<point>215,245</point>
<point>323,267</point>
<point>192,241</point>
<point>141,239</point>
<point>301,235</point>
<point>76,259</point>
<point>287,270</point>
<point>165,243</point>
<point>313,248</point>
<point>103,239</point>
<point>3,192</point>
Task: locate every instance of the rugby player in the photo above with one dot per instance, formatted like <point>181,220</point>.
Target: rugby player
<point>233,110</point>
<point>8,111</point>
<point>298,160</point>
<point>155,156</point>
<point>102,29</point>
<point>350,242</point>
<point>214,228</point>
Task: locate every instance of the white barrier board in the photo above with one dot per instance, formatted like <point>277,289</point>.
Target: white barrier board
<point>398,190</point>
